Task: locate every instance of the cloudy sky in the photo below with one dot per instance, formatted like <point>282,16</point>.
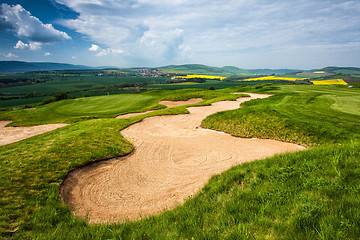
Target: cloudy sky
<point>300,34</point>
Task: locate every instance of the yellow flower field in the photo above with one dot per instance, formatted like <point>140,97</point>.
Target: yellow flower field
<point>330,82</point>
<point>201,76</point>
<point>273,78</point>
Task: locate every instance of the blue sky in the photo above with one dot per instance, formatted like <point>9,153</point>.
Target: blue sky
<point>299,34</point>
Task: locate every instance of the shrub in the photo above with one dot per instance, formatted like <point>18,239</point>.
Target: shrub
<point>47,101</point>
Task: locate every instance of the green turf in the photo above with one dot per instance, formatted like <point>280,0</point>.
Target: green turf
<point>347,104</point>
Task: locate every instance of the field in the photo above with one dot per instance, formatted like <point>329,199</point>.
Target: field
<point>201,76</point>
<point>330,82</point>
<point>28,89</point>
<point>74,84</point>
<point>274,78</point>
<point>313,194</point>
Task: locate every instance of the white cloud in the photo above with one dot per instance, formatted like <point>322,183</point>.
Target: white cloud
<point>105,52</point>
<point>94,48</point>
<point>9,55</point>
<point>21,45</point>
<point>157,31</point>
<point>31,45</point>
<point>108,51</point>
<point>15,18</point>
<point>47,54</point>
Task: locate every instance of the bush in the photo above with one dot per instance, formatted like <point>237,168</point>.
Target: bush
<point>61,96</point>
<point>211,88</point>
<point>47,101</point>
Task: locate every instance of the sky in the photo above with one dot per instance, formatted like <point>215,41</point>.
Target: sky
<point>296,34</point>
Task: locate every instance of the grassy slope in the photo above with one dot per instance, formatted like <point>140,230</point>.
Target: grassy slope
<point>295,114</point>
<point>312,194</point>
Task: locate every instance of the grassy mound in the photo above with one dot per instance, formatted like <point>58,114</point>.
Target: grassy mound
<point>300,114</point>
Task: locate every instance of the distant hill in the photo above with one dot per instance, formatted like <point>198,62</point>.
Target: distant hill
<point>195,69</point>
<point>224,71</point>
<point>272,71</point>
<point>343,70</point>
<point>19,67</point>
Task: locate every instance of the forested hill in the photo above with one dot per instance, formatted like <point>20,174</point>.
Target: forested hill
<point>19,67</point>
<point>223,71</point>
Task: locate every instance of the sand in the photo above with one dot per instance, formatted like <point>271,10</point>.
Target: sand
<point>173,159</point>
<point>15,134</point>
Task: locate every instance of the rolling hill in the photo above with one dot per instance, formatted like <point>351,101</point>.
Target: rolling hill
<point>224,71</point>
<point>343,70</point>
<point>18,66</point>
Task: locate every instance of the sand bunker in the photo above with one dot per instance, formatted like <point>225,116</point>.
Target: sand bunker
<point>173,159</point>
<point>167,104</point>
<point>15,134</point>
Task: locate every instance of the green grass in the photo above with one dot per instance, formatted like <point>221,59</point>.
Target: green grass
<point>307,115</point>
<point>313,194</point>
<point>80,109</point>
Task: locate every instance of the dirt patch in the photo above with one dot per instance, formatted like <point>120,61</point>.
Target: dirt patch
<point>173,159</point>
<point>15,134</point>
<point>167,104</point>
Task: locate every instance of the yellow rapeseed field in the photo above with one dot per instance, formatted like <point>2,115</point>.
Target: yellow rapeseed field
<point>330,81</point>
<point>272,78</point>
<point>201,76</point>
<point>319,72</point>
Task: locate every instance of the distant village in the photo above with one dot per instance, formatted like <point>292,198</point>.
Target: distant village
<point>144,72</point>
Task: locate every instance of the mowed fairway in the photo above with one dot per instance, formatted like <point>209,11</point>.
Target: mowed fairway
<point>108,105</point>
<point>73,110</point>
<point>347,104</point>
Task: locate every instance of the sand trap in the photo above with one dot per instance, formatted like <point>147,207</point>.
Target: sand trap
<point>167,104</point>
<point>173,159</point>
<point>15,134</point>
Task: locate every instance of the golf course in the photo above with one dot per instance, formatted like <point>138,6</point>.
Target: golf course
<point>285,165</point>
